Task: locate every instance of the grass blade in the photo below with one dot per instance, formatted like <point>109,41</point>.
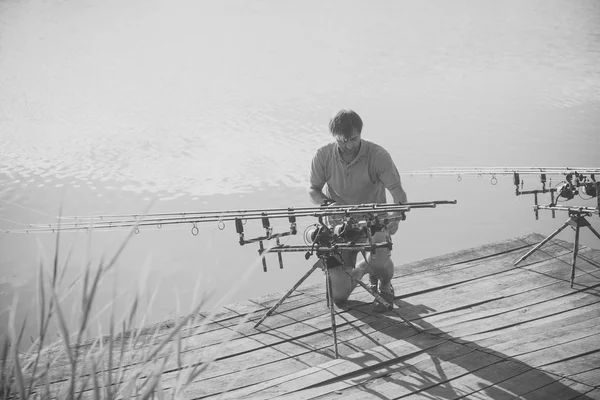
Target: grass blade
<point>14,343</point>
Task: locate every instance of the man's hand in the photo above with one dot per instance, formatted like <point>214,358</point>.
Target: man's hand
<point>333,220</point>
<point>392,226</point>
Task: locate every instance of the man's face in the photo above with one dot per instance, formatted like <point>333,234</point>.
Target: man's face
<point>349,146</point>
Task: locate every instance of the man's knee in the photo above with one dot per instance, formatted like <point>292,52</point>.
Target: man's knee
<point>342,283</point>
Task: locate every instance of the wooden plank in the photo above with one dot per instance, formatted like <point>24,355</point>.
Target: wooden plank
<point>253,363</point>
<point>467,255</point>
<point>562,389</point>
<point>447,351</point>
<point>232,349</point>
<point>590,378</point>
<point>472,330</point>
<point>206,321</point>
<point>542,357</point>
<point>527,290</point>
<point>493,294</point>
<point>469,273</point>
<point>440,374</point>
<point>203,340</point>
<point>586,264</point>
<point>345,373</point>
<point>310,344</point>
<point>593,394</point>
<point>577,364</point>
<point>522,339</point>
<point>468,384</point>
<point>355,387</point>
<point>273,372</point>
<point>518,385</point>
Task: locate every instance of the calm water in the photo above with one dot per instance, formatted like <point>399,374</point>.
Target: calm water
<point>113,107</point>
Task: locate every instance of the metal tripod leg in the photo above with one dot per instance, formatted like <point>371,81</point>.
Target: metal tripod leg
<point>331,306</point>
<point>575,250</point>
<point>543,242</point>
<point>576,221</point>
<point>285,296</point>
<point>385,303</point>
<point>580,221</point>
<point>593,230</point>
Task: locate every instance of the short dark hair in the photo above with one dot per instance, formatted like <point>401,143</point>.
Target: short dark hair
<point>344,123</point>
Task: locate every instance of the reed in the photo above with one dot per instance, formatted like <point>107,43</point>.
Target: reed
<point>127,360</point>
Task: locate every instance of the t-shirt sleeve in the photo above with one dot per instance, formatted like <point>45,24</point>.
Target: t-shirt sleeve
<point>317,171</point>
<point>386,170</point>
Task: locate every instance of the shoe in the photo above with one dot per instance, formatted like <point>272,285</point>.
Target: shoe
<point>388,297</point>
<point>374,283</point>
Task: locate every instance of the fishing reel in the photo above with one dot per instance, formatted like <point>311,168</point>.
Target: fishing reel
<point>566,190</point>
<point>348,231</point>
<point>588,185</point>
<point>319,235</point>
<point>570,187</point>
<point>323,235</point>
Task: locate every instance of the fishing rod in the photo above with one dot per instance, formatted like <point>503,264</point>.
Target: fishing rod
<point>504,171</point>
<point>335,226</point>
<point>576,181</point>
<point>242,211</point>
<point>160,219</point>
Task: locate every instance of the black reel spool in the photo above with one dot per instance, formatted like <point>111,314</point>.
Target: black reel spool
<point>590,189</point>
<point>322,236</point>
<point>348,231</point>
<point>566,190</point>
<point>590,186</point>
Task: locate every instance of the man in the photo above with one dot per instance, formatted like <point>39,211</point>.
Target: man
<point>352,170</point>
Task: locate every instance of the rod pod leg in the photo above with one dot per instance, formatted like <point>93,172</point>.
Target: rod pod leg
<point>575,251</point>
<point>385,303</point>
<point>578,222</point>
<point>543,242</point>
<point>331,306</point>
<point>285,296</point>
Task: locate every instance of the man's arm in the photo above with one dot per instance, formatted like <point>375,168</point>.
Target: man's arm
<point>316,195</point>
<point>399,196</point>
<point>317,179</point>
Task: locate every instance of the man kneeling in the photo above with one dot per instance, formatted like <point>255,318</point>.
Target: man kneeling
<point>348,171</point>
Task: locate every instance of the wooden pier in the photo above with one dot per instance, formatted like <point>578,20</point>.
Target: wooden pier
<point>490,330</point>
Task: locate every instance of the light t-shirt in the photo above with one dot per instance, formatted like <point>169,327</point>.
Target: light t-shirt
<point>361,181</point>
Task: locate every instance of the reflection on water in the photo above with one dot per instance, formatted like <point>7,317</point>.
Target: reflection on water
<point>110,107</point>
<point>227,97</point>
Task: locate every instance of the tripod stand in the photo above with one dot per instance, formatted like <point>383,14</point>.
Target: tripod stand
<point>576,220</point>
<point>323,264</point>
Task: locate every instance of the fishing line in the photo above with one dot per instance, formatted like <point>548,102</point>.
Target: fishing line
<point>28,208</point>
<point>14,222</point>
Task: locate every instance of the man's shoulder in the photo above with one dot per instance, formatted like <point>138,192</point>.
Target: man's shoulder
<point>374,148</point>
<point>326,146</point>
<point>325,149</point>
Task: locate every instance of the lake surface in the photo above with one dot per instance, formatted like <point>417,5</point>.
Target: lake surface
<point>119,107</point>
